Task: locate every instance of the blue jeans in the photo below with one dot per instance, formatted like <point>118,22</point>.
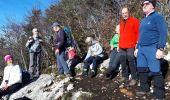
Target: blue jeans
<point>93,60</point>
<point>114,61</point>
<point>128,61</point>
<point>61,63</point>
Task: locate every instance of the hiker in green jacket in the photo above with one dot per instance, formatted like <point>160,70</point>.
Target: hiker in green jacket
<point>114,56</point>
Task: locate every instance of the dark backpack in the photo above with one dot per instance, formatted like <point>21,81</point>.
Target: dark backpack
<point>25,77</point>
<point>69,38</point>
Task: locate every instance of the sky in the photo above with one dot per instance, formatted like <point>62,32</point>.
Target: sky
<point>18,9</point>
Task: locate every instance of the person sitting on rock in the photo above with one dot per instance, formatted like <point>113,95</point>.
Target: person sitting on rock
<point>114,56</point>
<point>12,78</point>
<point>94,56</point>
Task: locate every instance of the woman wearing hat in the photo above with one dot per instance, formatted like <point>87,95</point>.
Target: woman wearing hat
<point>94,56</point>
<point>12,77</point>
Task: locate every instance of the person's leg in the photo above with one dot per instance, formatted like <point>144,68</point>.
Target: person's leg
<point>143,71</point>
<point>123,62</point>
<point>63,62</point>
<point>87,63</point>
<point>154,66</point>
<point>11,89</point>
<point>74,62</point>
<point>111,66</point>
<point>132,63</point>
<point>38,62</point>
<point>96,61</point>
<point>59,65</point>
<point>31,65</point>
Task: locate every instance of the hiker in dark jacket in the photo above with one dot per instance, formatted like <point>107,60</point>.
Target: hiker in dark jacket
<point>60,48</point>
<point>34,45</point>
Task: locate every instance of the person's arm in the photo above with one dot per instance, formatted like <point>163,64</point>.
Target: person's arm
<point>88,53</point>
<point>137,25</point>
<point>4,84</point>
<point>163,33</point>
<point>30,40</point>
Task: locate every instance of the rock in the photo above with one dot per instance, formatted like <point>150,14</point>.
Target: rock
<point>70,87</point>
<point>44,88</point>
<point>167,57</point>
<point>80,95</point>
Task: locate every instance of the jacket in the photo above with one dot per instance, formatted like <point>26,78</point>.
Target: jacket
<point>129,32</point>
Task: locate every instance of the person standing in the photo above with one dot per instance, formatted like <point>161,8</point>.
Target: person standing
<point>150,50</point>
<point>60,48</point>
<point>12,78</point>
<point>114,56</point>
<point>34,44</point>
<point>129,31</point>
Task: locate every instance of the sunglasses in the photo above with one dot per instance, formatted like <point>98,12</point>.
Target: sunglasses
<point>147,3</point>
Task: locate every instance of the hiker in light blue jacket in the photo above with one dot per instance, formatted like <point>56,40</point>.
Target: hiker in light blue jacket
<point>94,56</point>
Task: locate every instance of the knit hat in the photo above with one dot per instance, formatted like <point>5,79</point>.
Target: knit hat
<point>153,2</point>
<point>7,57</point>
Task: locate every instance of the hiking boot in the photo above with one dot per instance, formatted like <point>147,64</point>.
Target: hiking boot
<point>141,93</point>
<point>132,82</point>
<point>123,79</point>
<point>92,74</point>
<point>85,73</point>
<point>107,77</point>
<point>158,99</point>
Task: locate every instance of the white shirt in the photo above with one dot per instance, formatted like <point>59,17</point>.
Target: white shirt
<point>13,74</point>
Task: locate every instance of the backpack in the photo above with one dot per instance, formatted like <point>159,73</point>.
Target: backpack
<point>25,77</point>
<point>69,38</point>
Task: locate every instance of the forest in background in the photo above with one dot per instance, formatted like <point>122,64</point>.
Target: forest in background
<point>96,18</point>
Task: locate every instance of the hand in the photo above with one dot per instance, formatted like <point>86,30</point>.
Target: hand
<point>56,51</point>
<point>159,54</point>
<point>30,40</point>
<point>135,52</point>
<point>4,87</point>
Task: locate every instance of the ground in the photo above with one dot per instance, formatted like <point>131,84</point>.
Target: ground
<point>103,89</point>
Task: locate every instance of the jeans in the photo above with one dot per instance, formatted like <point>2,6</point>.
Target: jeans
<point>128,62</point>
<point>61,63</point>
<point>114,61</point>
<point>93,60</point>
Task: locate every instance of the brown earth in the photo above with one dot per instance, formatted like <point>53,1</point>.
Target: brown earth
<point>103,89</point>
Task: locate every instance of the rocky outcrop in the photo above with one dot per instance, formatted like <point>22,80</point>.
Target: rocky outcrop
<point>46,88</point>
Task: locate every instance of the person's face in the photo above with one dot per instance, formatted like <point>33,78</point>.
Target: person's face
<point>56,28</point>
<point>9,61</point>
<point>35,32</point>
<point>147,7</point>
<point>125,13</point>
<point>117,29</point>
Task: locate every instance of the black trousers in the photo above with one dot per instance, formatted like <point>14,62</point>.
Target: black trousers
<point>128,62</point>
<point>11,89</point>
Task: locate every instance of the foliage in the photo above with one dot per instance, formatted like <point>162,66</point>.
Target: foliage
<point>96,18</point>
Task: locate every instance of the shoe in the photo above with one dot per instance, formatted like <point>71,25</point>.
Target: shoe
<point>92,74</point>
<point>84,73</point>
<point>141,93</point>
<point>132,82</point>
<point>158,99</point>
<point>123,79</point>
<point>107,77</point>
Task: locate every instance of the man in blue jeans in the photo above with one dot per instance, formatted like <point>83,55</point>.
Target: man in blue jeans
<point>60,48</point>
<point>149,52</point>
